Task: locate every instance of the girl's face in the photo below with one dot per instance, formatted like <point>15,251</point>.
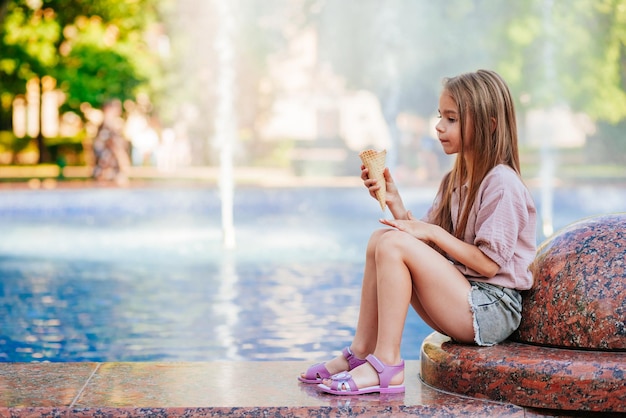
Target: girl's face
<point>449,126</point>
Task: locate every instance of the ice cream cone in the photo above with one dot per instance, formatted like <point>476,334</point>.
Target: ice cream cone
<point>375,163</point>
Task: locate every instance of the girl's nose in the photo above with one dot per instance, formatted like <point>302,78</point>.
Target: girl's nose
<point>438,127</point>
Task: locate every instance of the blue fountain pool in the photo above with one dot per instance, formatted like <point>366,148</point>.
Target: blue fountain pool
<point>141,275</point>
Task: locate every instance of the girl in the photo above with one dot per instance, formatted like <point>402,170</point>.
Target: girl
<point>462,266</point>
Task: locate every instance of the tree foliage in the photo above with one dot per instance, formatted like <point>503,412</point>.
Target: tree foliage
<point>96,49</point>
<point>568,51</point>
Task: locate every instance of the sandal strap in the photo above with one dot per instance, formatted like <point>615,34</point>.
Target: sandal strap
<point>353,361</point>
<point>385,372</point>
<point>317,371</point>
<point>340,380</point>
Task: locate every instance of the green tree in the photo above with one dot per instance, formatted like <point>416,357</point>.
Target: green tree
<point>568,51</point>
<point>571,52</point>
<point>95,50</point>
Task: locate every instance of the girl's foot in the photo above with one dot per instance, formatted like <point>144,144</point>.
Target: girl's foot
<point>344,362</point>
<point>367,378</point>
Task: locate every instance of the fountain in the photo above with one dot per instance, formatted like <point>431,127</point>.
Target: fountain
<point>225,131</point>
<point>390,38</point>
<point>547,188</point>
<point>547,154</point>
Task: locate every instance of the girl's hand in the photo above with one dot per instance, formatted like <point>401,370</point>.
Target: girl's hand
<point>372,186</point>
<point>418,229</point>
<point>463,252</point>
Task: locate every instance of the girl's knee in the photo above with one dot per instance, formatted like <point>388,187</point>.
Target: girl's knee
<point>398,243</point>
<point>389,244</point>
<point>377,234</point>
<point>375,239</point>
<point>395,238</point>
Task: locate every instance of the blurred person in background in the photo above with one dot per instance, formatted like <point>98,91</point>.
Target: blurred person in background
<point>110,148</point>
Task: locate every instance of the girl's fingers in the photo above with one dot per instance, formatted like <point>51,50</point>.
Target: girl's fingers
<point>387,175</point>
<point>371,185</point>
<point>386,222</point>
<point>364,172</point>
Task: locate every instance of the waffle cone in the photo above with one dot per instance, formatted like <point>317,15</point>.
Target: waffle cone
<point>374,161</point>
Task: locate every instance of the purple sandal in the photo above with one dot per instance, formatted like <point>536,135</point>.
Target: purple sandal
<point>318,372</point>
<point>342,381</point>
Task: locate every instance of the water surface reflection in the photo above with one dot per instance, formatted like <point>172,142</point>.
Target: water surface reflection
<point>141,275</point>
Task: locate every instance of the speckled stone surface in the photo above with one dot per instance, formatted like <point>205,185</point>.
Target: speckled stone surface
<point>41,384</point>
<point>209,389</point>
<point>579,297</point>
<point>235,389</point>
<point>527,375</point>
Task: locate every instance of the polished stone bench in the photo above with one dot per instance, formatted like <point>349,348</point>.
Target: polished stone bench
<point>527,375</point>
<point>569,352</point>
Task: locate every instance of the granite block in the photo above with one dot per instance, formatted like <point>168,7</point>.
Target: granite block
<point>579,296</point>
<point>527,375</point>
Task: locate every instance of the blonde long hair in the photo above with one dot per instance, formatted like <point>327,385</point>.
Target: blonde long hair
<point>482,98</point>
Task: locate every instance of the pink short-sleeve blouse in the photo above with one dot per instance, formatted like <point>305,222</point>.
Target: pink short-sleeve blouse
<point>502,223</point>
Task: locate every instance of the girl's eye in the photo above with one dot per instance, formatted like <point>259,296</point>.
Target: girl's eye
<point>449,119</point>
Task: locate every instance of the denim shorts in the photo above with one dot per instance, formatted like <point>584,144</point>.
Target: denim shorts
<point>497,312</point>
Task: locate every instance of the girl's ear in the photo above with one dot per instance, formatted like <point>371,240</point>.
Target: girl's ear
<point>494,123</point>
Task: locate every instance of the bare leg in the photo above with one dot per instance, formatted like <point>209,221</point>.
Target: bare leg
<point>417,306</point>
<point>406,265</point>
<point>409,271</point>
<point>366,333</point>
